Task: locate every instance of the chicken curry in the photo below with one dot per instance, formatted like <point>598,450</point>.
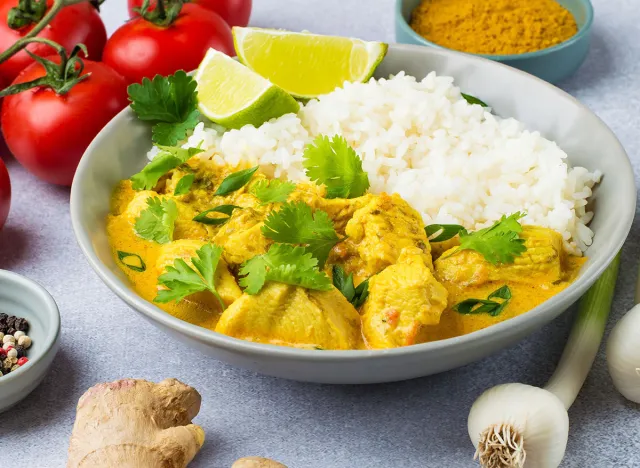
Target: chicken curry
<point>269,261</point>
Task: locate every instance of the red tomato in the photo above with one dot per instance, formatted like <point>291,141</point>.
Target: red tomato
<point>5,193</point>
<point>48,133</point>
<point>234,12</point>
<point>75,24</point>
<point>141,49</point>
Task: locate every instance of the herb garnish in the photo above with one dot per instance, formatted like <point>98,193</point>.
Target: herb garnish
<point>235,181</point>
<point>499,243</point>
<point>272,191</point>
<point>295,223</point>
<point>139,266</point>
<point>181,280</point>
<point>493,308</point>
<point>344,284</point>
<point>285,264</point>
<point>170,102</point>
<point>335,164</point>
<point>223,209</point>
<point>156,223</point>
<point>447,231</point>
<point>473,100</point>
<point>184,184</point>
<point>168,158</point>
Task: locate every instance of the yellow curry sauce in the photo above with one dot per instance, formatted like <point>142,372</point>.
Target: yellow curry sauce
<point>412,288</point>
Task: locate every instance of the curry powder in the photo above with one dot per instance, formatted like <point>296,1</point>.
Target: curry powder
<point>498,27</point>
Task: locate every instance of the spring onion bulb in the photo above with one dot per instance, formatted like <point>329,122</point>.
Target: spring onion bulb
<point>623,353</point>
<point>514,424</point>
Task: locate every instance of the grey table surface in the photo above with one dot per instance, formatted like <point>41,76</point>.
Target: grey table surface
<point>418,423</point>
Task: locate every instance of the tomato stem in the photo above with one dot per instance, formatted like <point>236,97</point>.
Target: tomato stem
<point>164,13</point>
<point>60,77</point>
<point>27,12</point>
<point>46,19</point>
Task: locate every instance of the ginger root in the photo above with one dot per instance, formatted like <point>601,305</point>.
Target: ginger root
<point>256,462</point>
<point>136,424</point>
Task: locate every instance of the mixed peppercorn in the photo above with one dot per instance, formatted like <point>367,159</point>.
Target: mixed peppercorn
<point>15,342</point>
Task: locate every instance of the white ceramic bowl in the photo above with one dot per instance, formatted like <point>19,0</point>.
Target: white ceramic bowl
<point>119,151</point>
<point>22,297</point>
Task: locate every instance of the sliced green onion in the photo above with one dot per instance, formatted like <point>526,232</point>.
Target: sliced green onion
<point>139,266</point>
<point>235,181</point>
<point>473,100</point>
<point>222,209</point>
<point>447,231</point>
<point>184,185</point>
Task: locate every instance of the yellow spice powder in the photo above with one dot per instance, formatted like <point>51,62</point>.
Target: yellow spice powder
<point>493,26</point>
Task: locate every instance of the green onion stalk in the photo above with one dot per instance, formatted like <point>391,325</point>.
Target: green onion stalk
<point>513,423</point>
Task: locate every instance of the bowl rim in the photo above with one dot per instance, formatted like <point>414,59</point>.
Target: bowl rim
<point>582,32</point>
<point>235,345</point>
<point>49,307</point>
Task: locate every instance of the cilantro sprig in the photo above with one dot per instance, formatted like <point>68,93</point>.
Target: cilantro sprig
<point>499,243</point>
<point>335,164</point>
<point>344,284</point>
<point>156,222</point>
<point>180,280</point>
<point>272,191</point>
<point>284,264</point>
<point>486,306</point>
<point>169,102</point>
<point>296,223</point>
<point>168,158</point>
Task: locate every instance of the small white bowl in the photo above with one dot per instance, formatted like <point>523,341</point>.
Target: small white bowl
<point>25,298</point>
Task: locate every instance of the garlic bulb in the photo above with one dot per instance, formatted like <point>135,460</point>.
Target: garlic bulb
<point>514,422</point>
<point>623,355</point>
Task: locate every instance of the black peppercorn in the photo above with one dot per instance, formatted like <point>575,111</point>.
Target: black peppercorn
<point>21,324</point>
<point>20,350</point>
<point>10,331</point>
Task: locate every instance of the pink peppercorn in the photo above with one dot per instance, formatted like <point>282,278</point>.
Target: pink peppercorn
<point>22,361</point>
<point>3,353</point>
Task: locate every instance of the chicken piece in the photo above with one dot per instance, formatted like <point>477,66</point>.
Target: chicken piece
<point>341,210</point>
<point>543,261</point>
<point>241,237</point>
<point>288,315</point>
<point>403,298</point>
<point>185,226</point>
<point>378,233</point>
<point>186,249</point>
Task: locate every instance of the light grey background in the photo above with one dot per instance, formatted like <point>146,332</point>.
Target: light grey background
<point>419,423</point>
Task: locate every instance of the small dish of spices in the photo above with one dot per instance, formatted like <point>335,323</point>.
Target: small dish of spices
<point>29,336</point>
<point>547,38</point>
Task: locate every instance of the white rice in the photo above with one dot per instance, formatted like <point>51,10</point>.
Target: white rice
<point>452,161</point>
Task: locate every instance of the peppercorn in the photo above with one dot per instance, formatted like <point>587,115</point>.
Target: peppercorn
<point>3,354</point>
<point>18,334</point>
<point>22,361</point>
<point>8,346</point>
<point>3,317</point>
<point>21,325</point>
<point>20,350</point>
<point>11,320</point>
<point>12,353</point>
<point>15,367</point>
<point>8,339</point>
<point>25,341</point>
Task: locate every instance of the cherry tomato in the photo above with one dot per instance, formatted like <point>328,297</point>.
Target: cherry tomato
<point>141,49</point>
<point>74,24</point>
<point>5,193</point>
<point>234,12</point>
<point>47,132</point>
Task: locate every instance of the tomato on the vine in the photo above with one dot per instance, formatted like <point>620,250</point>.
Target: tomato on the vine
<point>74,24</point>
<point>5,193</point>
<point>48,127</point>
<point>234,12</point>
<point>173,37</point>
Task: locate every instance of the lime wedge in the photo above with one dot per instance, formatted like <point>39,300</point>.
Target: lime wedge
<point>233,96</point>
<point>307,65</point>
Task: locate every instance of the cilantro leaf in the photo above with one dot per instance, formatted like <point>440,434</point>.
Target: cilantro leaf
<point>165,98</point>
<point>170,102</point>
<point>284,264</point>
<point>344,284</point>
<point>446,231</point>
<point>295,223</point>
<point>204,217</point>
<point>272,191</point>
<point>165,133</point>
<point>181,280</point>
<point>486,306</point>
<point>335,164</point>
<point>184,184</point>
<point>156,222</point>
<point>235,181</point>
<point>499,243</point>
<point>473,100</point>
<point>168,158</point>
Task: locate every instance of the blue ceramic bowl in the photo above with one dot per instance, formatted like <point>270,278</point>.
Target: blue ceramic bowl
<point>552,64</point>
